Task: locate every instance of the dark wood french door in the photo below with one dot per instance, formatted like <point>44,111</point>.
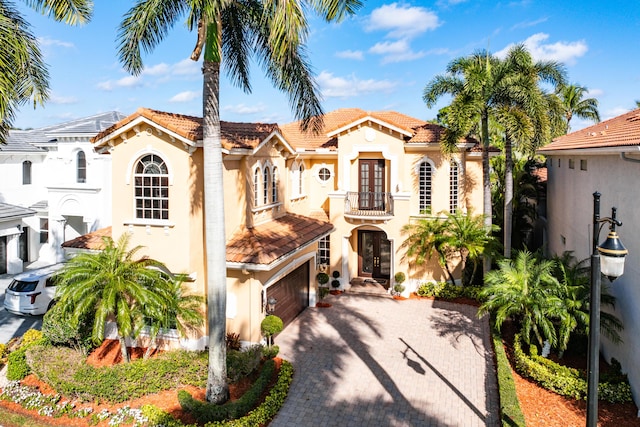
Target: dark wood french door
<point>374,254</point>
<point>371,185</point>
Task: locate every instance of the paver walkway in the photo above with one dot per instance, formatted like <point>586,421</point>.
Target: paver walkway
<point>374,361</point>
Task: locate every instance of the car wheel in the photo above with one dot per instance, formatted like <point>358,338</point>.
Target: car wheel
<point>51,304</point>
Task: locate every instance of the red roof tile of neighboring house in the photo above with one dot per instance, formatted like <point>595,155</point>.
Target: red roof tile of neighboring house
<point>90,241</point>
<point>619,131</point>
<point>540,173</point>
<point>270,241</point>
<point>234,135</point>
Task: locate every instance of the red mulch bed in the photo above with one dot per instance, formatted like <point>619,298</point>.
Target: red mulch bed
<point>109,354</point>
<point>323,305</point>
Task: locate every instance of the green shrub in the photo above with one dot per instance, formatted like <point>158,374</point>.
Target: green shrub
<point>270,352</point>
<point>58,328</point>
<point>563,380</point>
<point>241,364</point>
<point>323,292</point>
<point>3,350</point>
<point>398,288</point>
<point>510,411</point>
<point>31,336</point>
<point>322,278</point>
<point>399,277</point>
<point>54,365</point>
<point>335,274</point>
<point>271,325</point>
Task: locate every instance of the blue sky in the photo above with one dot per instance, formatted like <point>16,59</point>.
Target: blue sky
<point>380,59</point>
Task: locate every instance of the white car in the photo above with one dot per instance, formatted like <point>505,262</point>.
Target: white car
<point>32,292</point>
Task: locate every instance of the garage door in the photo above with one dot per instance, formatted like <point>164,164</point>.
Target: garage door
<point>292,293</point>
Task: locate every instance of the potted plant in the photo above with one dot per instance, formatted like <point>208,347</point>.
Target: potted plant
<point>323,292</point>
<point>322,278</point>
<point>399,288</point>
<point>335,283</point>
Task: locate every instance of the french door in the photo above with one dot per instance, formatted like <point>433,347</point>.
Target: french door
<point>374,254</point>
<point>371,185</point>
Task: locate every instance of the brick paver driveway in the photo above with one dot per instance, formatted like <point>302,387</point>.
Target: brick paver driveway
<point>374,361</point>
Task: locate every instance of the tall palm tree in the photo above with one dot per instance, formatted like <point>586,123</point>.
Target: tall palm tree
<point>111,283</point>
<point>23,73</point>
<point>525,115</point>
<point>232,32</point>
<point>574,103</point>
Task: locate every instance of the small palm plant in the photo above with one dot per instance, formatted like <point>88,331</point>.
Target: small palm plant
<point>111,284</point>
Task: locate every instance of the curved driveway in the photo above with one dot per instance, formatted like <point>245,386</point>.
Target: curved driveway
<point>374,361</point>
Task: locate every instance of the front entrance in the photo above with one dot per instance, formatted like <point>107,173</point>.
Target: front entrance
<point>374,254</point>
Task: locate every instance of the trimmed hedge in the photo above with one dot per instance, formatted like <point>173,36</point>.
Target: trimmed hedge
<point>259,416</point>
<point>446,290</point>
<point>563,380</point>
<point>510,412</point>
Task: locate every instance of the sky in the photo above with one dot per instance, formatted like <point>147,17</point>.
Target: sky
<point>379,59</point>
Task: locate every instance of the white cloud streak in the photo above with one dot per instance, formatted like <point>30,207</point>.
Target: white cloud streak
<point>185,96</point>
<point>566,52</point>
<point>351,54</point>
<point>348,87</point>
<point>402,21</point>
<point>245,109</point>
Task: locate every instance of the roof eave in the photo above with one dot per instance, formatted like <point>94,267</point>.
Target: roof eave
<point>379,122</point>
<point>137,122</point>
<point>591,150</point>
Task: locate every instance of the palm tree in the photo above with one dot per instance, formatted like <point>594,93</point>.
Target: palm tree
<point>574,104</point>
<point>524,112</point>
<point>23,73</point>
<point>234,32</point>
<point>111,283</point>
<point>456,236</point>
<point>523,289</point>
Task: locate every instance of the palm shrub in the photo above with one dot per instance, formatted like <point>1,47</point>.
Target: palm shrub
<point>525,290</point>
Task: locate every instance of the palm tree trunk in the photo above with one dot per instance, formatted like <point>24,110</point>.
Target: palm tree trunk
<point>123,349</point>
<point>215,241</point>
<point>508,195</point>
<point>486,183</point>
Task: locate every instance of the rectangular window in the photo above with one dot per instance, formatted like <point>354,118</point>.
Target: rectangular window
<point>572,164</point>
<point>323,255</point>
<point>558,162</point>
<point>453,188</point>
<point>44,230</point>
<point>583,164</point>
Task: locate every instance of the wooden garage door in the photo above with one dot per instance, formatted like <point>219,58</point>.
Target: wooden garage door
<point>292,293</point>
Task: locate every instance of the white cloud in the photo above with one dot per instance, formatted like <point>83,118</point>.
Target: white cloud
<point>341,87</point>
<point>157,70</point>
<point>397,51</point>
<point>62,100</point>
<point>185,96</point>
<point>245,109</point>
<point>128,81</point>
<point>528,24</point>
<point>402,21</point>
<point>351,54</point>
<point>47,41</point>
<point>187,67</point>
<point>614,112</point>
<point>566,52</point>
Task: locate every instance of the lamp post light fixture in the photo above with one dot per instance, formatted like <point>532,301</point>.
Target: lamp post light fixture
<point>607,259</point>
<point>271,305</point>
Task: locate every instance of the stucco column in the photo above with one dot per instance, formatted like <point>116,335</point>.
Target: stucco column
<point>14,263</point>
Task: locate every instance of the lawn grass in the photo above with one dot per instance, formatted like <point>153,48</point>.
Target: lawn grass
<point>14,419</point>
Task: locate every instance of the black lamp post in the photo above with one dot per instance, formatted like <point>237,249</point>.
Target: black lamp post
<point>607,259</point>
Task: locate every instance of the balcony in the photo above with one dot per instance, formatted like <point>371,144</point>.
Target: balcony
<point>367,204</point>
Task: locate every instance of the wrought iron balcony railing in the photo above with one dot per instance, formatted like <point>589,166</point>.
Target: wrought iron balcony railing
<point>368,204</point>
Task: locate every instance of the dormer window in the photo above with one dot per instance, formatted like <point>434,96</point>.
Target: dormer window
<point>81,167</point>
<point>151,188</point>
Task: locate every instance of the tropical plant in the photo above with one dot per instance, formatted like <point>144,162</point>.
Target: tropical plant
<point>575,104</point>
<point>232,32</point>
<point>111,283</point>
<point>455,236</point>
<point>524,290</point>
<point>23,72</point>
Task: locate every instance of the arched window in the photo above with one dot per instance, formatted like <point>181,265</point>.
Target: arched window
<point>81,167</point>
<point>297,179</point>
<point>26,172</point>
<point>151,188</point>
<point>453,187</point>
<point>256,187</point>
<point>265,185</point>
<point>301,179</point>
<point>274,185</point>
<point>424,184</point>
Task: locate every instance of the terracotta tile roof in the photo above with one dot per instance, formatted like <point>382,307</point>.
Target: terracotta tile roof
<point>620,131</point>
<point>90,241</point>
<point>270,241</point>
<point>234,135</point>
<point>431,132</point>
<point>541,173</point>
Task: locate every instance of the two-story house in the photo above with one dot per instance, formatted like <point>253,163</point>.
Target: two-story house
<point>293,201</point>
<point>55,186</point>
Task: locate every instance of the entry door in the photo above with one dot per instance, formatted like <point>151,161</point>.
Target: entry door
<point>374,254</point>
<point>371,185</point>
<point>3,255</point>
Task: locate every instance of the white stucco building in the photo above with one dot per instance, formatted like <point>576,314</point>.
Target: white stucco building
<point>64,185</point>
<point>604,158</point>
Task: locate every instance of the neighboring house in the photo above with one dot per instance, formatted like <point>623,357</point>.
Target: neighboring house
<point>293,201</point>
<point>606,158</point>
<point>55,172</point>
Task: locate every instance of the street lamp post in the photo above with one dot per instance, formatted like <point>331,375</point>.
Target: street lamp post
<point>607,259</point>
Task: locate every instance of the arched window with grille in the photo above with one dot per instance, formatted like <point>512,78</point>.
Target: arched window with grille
<point>81,167</point>
<point>265,185</point>
<point>454,183</point>
<point>26,172</point>
<point>256,186</point>
<point>151,178</point>
<point>274,185</point>
<point>297,179</point>
<point>425,172</point>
